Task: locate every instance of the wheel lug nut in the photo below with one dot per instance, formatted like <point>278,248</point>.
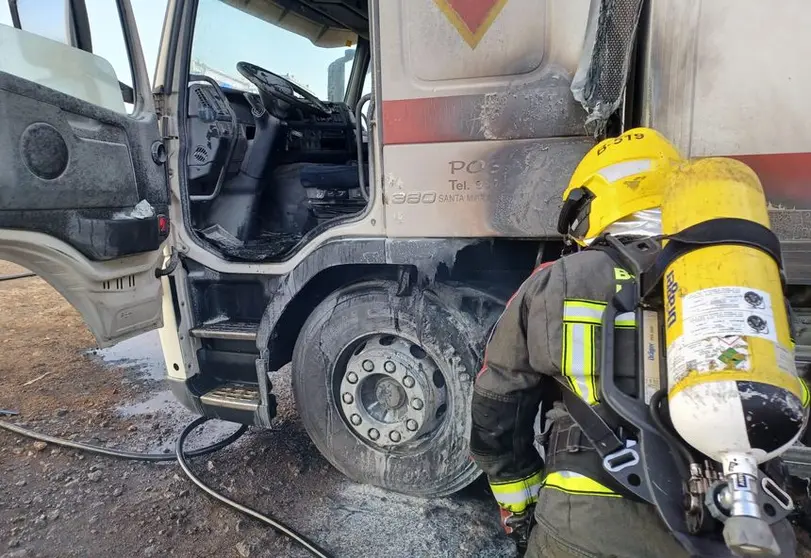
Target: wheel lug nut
<point>352,378</point>
<point>389,367</point>
<point>408,382</point>
<point>394,435</point>
<point>411,424</point>
<point>374,434</point>
<point>368,365</point>
<point>355,419</point>
<point>416,404</point>
<point>348,399</point>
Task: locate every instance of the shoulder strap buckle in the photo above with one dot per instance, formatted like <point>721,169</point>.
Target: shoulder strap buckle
<point>621,459</point>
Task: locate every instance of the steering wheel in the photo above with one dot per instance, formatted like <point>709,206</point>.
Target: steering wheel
<point>282,89</point>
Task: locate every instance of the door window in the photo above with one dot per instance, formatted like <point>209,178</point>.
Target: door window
<point>97,69</point>
<point>46,18</point>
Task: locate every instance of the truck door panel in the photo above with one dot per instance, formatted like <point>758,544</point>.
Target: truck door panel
<point>68,170</point>
<point>82,201</point>
<point>480,130</point>
<point>734,81</point>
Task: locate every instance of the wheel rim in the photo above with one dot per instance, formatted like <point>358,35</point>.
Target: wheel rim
<point>391,393</point>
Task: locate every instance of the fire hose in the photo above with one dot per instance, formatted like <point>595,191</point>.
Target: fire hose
<point>181,456</point>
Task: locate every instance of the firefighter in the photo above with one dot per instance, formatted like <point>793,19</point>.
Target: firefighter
<point>546,340</point>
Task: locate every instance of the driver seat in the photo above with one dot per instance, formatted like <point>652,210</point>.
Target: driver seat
<point>300,188</point>
<point>329,177</point>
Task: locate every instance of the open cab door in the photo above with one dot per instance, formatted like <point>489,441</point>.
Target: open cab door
<point>83,191</point>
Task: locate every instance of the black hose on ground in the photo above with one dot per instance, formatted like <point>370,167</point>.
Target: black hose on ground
<point>14,276</point>
<point>182,457</point>
<point>313,548</point>
<point>152,457</point>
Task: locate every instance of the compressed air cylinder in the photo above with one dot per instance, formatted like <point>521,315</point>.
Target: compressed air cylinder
<point>733,389</point>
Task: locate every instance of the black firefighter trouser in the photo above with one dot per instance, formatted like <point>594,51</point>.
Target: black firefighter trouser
<point>574,526</point>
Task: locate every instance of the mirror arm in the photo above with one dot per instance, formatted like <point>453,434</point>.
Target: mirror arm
<point>127,93</point>
<point>15,15</point>
<point>80,25</point>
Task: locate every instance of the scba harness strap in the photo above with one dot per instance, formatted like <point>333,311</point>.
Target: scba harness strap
<point>643,460</point>
<point>714,232</point>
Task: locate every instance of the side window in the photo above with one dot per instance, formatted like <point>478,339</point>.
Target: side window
<point>339,74</point>
<point>367,82</point>
<point>45,19</point>
<point>5,14</point>
<point>109,43</point>
<point>94,61</point>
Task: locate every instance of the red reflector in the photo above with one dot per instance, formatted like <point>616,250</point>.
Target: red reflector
<point>163,224</point>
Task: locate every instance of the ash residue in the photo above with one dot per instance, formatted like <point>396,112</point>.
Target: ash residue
<point>378,523</point>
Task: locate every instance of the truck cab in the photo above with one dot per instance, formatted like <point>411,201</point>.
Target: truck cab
<point>356,187</point>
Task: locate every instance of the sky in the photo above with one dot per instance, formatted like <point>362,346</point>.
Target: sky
<point>223,37</point>
<point>108,40</point>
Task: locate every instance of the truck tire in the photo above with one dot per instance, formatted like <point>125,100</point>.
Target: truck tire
<point>383,385</point>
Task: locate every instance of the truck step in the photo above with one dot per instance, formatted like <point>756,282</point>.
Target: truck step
<point>239,397</point>
<point>228,330</point>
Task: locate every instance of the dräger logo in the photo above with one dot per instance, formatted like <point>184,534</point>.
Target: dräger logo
<point>671,287</point>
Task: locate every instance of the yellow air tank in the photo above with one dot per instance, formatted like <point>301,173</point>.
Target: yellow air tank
<point>733,389</point>
<point>732,381</point>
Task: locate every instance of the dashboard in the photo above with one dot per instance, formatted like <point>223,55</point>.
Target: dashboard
<point>211,132</point>
<point>321,139</point>
<point>301,138</point>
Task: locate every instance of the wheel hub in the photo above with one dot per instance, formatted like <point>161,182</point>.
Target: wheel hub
<point>391,392</point>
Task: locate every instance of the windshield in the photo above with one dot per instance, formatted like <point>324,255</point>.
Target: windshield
<point>224,35</point>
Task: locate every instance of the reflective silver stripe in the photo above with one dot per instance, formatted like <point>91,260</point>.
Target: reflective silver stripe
<point>579,363</point>
<point>627,319</point>
<point>519,492</point>
<point>618,171</point>
<point>520,497</point>
<point>574,310</point>
<point>571,475</point>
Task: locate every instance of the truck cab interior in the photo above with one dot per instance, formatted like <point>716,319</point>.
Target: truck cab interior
<point>276,121</point>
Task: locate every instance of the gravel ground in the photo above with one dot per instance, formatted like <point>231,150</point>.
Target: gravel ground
<point>57,502</point>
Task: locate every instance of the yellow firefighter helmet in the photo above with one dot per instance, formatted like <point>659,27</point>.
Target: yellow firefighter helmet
<point>617,178</point>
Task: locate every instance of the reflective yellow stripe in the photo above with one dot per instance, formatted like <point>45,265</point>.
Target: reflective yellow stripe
<point>806,396</point>
<point>581,318</point>
<point>583,311</point>
<point>517,495</point>
<point>621,274</point>
<point>579,360</point>
<point>575,483</point>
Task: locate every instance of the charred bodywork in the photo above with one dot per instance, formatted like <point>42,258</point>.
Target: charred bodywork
<point>432,202</point>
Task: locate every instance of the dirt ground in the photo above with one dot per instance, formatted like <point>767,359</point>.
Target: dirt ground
<point>58,502</point>
<point>62,503</point>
